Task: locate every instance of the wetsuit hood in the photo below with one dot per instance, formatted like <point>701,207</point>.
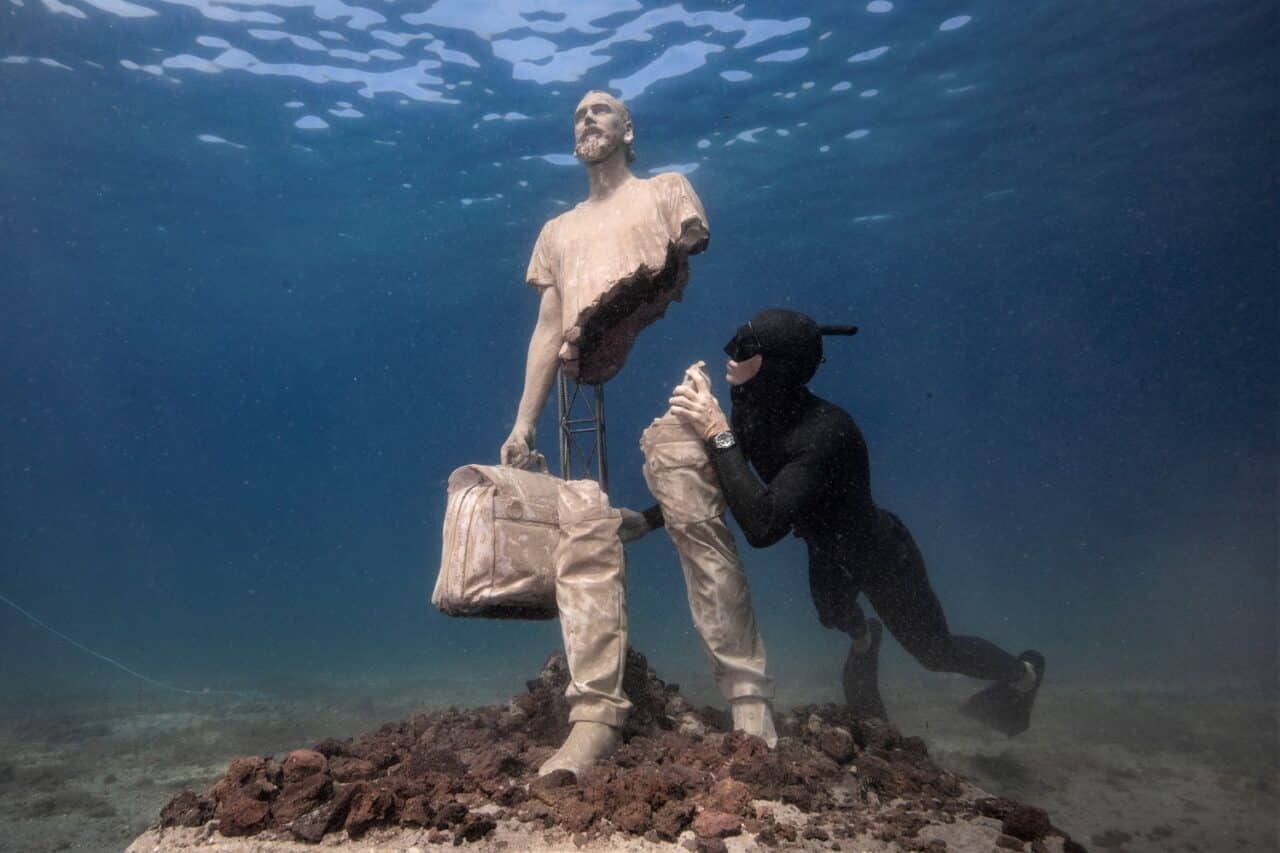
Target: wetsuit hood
<point>765,407</point>
<point>790,342</point>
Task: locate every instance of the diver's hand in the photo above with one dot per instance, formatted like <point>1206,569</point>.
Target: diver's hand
<point>693,402</point>
<point>518,450</point>
<point>634,525</point>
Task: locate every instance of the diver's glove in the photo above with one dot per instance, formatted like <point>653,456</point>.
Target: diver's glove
<point>634,525</point>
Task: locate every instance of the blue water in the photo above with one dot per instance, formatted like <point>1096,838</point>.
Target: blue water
<point>261,274</point>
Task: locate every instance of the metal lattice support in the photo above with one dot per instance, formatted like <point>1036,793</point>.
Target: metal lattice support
<point>582,448</point>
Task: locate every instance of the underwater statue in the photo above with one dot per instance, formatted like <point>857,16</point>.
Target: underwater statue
<point>605,270</point>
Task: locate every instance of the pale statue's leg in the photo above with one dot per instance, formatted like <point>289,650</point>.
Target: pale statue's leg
<point>680,475</point>
<point>591,597</point>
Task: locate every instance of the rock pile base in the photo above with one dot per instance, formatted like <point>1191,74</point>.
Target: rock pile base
<point>457,773</point>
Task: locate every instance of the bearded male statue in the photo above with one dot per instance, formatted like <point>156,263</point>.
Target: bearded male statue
<point>605,270</point>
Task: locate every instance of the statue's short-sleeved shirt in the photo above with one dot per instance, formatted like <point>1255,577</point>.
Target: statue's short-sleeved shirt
<point>617,265</point>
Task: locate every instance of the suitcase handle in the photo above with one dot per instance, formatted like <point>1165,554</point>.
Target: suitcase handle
<point>537,462</point>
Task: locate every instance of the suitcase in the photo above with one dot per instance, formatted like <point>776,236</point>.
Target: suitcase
<point>500,535</point>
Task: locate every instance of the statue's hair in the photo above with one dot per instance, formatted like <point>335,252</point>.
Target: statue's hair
<point>626,117</point>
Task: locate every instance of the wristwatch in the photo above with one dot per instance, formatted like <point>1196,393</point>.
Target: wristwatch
<point>723,440</point>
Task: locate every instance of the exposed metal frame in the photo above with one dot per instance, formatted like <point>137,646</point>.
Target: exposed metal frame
<point>582,446</point>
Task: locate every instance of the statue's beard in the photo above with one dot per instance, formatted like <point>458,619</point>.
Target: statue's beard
<point>595,148</point>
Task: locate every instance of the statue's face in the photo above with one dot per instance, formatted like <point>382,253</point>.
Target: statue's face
<point>599,129</point>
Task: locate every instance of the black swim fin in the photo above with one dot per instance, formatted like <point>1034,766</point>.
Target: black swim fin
<point>861,677</point>
<point>1002,706</point>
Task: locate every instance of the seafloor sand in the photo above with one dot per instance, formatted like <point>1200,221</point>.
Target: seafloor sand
<point>1136,771</point>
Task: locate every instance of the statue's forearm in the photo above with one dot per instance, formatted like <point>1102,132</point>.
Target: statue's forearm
<point>539,373</point>
<point>541,364</point>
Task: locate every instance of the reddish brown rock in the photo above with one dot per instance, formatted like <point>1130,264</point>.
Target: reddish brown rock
<point>712,824</point>
<point>328,817</point>
<point>1021,820</point>
<point>510,795</point>
<point>242,815</point>
<point>427,758</point>
<point>837,743</point>
<point>331,747</point>
<point>872,732</point>
<point>671,820</point>
<point>576,815</point>
<point>299,798</point>
<point>634,817</point>
<point>534,811</point>
<point>451,814</point>
<point>345,769</point>
<point>416,811</point>
<point>241,770</point>
<point>252,777</point>
<point>814,832</point>
<point>730,796</point>
<point>474,828</point>
<point>379,753</point>
<point>554,779</point>
<point>370,806</point>
<point>798,796</point>
<point>498,762</point>
<point>187,809</point>
<point>302,763</point>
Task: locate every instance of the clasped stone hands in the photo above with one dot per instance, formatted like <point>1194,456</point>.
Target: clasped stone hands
<point>693,402</point>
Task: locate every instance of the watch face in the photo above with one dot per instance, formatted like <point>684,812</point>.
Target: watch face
<point>723,441</point>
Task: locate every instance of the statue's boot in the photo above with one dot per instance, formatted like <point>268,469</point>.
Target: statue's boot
<point>753,715</point>
<point>587,743</point>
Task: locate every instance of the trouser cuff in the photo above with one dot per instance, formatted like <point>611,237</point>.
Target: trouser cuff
<point>597,712</point>
<point>742,688</point>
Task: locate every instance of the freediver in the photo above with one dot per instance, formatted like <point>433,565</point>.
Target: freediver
<point>814,480</point>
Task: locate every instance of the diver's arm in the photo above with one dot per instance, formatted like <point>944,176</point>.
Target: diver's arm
<point>539,373</point>
<point>754,505</point>
<point>767,512</point>
<point>636,525</point>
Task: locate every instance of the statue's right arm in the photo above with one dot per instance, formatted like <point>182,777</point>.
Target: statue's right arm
<point>539,373</point>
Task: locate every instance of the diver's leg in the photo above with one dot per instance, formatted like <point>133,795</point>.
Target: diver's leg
<point>900,592</point>
<point>905,600</point>
<point>835,594</point>
<point>679,474</point>
<point>591,597</point>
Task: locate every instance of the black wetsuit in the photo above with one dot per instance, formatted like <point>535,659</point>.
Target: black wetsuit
<point>817,484</point>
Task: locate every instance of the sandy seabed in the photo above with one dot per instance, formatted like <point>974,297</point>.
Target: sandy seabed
<point>1139,770</point>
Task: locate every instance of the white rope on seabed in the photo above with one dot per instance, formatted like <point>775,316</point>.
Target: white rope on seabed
<point>163,686</point>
